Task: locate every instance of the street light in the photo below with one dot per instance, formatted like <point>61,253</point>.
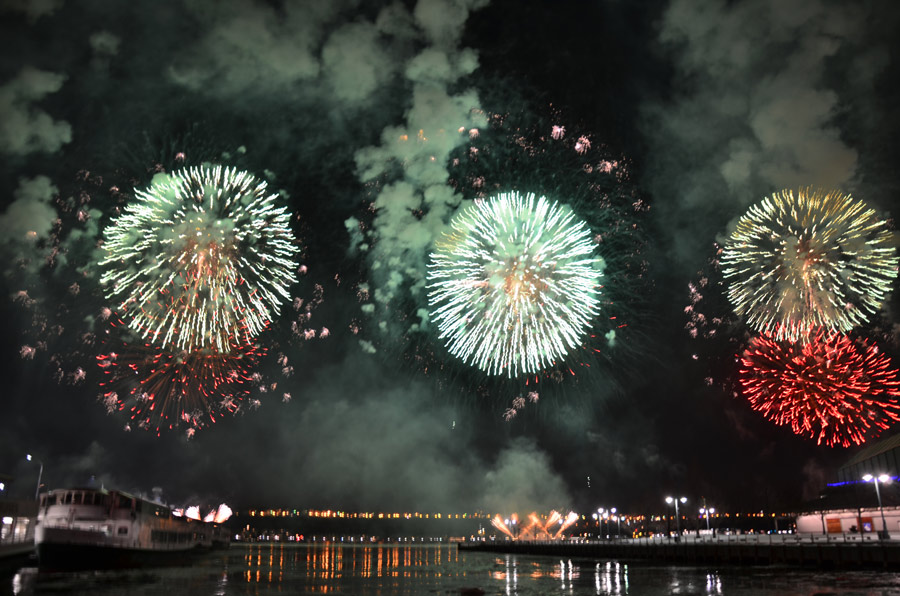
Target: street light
<point>671,500</point>
<point>618,522</point>
<point>37,490</point>
<point>601,515</point>
<point>705,511</point>
<point>879,480</point>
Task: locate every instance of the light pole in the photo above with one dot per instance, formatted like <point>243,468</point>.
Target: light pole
<point>601,515</point>
<point>37,490</point>
<point>879,480</point>
<point>675,500</point>
<point>618,522</point>
<point>705,511</point>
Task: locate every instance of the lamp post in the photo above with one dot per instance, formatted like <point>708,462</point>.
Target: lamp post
<point>705,511</point>
<point>37,490</point>
<point>675,500</point>
<point>881,479</point>
<point>618,522</point>
<point>601,515</point>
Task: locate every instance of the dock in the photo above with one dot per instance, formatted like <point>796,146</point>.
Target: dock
<point>824,551</point>
<point>17,522</point>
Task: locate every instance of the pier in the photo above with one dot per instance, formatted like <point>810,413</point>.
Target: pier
<point>17,521</point>
<point>814,551</point>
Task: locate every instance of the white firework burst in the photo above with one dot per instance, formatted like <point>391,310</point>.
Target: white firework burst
<point>202,259</point>
<point>513,288</point>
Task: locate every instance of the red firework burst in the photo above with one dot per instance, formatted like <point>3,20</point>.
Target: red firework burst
<point>830,388</point>
<point>159,388</point>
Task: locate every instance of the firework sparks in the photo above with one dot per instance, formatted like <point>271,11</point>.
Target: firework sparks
<point>535,528</point>
<point>570,519</point>
<point>499,523</point>
<point>160,389</point>
<point>514,286</point>
<point>829,388</point>
<point>202,259</point>
<point>811,259</point>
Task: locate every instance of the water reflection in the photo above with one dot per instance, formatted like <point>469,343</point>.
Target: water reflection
<point>268,563</point>
<point>332,567</point>
<point>682,583</point>
<point>611,578</point>
<point>379,570</point>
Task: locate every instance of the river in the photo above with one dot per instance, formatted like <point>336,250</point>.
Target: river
<point>326,568</point>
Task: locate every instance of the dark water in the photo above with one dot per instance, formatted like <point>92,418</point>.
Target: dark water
<point>380,569</point>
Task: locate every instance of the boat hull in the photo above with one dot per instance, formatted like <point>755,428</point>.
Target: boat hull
<point>88,557</point>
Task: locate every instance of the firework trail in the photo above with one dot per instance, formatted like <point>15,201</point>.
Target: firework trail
<point>535,529</point>
<point>812,259</point>
<point>570,519</point>
<point>515,285</point>
<point>828,388</point>
<point>219,515</point>
<point>201,260</point>
<point>498,523</point>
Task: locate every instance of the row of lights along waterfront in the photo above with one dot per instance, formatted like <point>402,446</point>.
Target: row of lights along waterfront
<point>604,515</point>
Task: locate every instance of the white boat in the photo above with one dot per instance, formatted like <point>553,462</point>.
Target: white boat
<point>90,528</point>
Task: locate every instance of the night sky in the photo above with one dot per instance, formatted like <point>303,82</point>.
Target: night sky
<point>693,109</point>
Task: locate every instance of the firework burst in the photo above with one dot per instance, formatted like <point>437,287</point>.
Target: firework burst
<point>397,289</point>
<point>202,259</point>
<point>829,388</point>
<point>515,284</point>
<point>161,389</point>
<point>812,259</point>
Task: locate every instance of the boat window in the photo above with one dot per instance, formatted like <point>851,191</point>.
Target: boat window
<point>123,530</point>
<point>68,498</point>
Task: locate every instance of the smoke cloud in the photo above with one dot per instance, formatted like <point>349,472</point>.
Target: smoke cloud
<point>752,110</point>
<point>523,480</point>
<point>24,127</point>
<point>415,203</point>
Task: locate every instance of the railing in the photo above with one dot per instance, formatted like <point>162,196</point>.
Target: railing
<point>719,538</point>
<point>15,533</point>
